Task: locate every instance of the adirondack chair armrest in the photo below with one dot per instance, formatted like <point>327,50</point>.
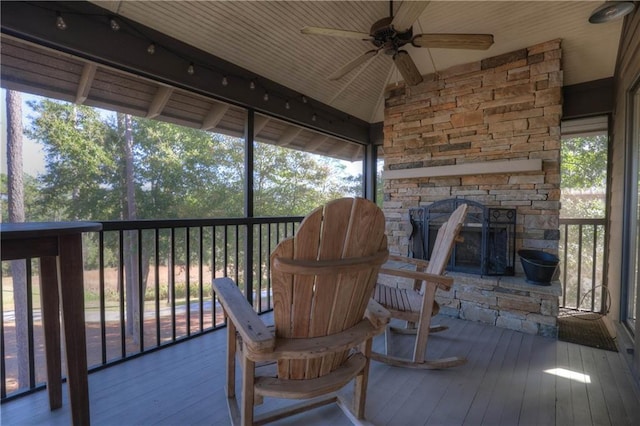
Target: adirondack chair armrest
<point>253,331</point>
<point>377,314</point>
<point>441,281</point>
<point>313,347</point>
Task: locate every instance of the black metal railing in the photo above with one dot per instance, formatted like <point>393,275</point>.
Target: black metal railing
<point>582,264</point>
<point>147,286</point>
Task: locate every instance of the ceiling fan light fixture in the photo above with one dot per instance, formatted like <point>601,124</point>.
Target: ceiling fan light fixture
<point>611,11</point>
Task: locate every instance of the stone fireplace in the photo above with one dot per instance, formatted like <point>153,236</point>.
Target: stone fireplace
<point>486,132</point>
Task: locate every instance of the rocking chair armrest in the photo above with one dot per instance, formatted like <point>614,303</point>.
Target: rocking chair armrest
<point>439,280</point>
<point>253,331</point>
<point>377,314</point>
<point>421,263</point>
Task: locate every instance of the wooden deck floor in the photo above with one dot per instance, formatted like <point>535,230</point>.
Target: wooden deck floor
<point>508,380</point>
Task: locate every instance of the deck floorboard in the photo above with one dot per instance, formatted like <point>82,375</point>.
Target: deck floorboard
<point>506,381</point>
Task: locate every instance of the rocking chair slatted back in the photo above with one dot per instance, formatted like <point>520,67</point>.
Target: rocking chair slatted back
<point>346,243</point>
<point>447,236</point>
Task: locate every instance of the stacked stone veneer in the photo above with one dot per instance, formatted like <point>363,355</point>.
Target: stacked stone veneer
<point>506,107</point>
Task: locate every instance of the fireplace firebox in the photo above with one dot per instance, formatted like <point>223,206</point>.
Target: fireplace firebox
<point>488,233</point>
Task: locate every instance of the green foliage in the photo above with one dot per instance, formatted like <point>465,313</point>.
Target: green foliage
<point>179,172</point>
<point>33,211</point>
<point>187,173</point>
<point>379,183</point>
<point>292,183</point>
<point>584,176</point>
<point>80,155</point>
<point>584,179</point>
<point>584,162</point>
<point>582,205</point>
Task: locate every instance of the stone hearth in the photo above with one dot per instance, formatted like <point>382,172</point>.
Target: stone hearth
<point>507,302</point>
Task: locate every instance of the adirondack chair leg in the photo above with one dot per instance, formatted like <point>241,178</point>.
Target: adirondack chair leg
<point>361,382</point>
<point>248,378</point>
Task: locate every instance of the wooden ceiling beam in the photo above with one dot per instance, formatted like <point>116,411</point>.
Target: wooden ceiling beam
<point>316,142</point>
<point>159,101</point>
<point>346,151</point>
<point>358,154</point>
<point>86,80</point>
<point>214,116</point>
<point>289,135</point>
<point>259,123</point>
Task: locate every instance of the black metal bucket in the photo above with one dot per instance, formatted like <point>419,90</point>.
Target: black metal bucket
<point>539,267</point>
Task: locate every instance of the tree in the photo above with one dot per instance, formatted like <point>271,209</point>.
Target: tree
<point>81,151</point>
<point>291,182</point>
<point>132,289</point>
<point>584,162</point>
<point>584,176</point>
<point>15,192</point>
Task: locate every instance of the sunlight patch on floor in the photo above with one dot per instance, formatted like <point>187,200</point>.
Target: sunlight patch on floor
<point>568,374</point>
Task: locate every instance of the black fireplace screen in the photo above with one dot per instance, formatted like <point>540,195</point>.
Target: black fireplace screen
<point>488,233</point>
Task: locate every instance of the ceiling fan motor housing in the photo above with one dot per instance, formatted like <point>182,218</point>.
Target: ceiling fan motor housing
<point>387,38</point>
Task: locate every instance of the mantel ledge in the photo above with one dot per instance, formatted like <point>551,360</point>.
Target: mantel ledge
<point>465,169</point>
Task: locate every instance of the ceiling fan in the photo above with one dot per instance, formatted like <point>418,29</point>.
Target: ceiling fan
<point>390,34</point>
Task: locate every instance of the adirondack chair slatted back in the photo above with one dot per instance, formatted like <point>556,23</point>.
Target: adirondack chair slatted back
<point>445,240</point>
<point>321,304</point>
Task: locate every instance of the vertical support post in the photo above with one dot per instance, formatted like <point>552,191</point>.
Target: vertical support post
<point>370,172</point>
<point>248,203</point>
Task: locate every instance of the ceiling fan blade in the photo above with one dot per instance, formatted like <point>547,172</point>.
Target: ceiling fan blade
<point>334,32</point>
<point>407,68</point>
<point>339,73</point>
<point>407,14</point>
<point>454,41</point>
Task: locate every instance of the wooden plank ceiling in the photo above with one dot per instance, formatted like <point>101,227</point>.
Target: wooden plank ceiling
<point>264,37</point>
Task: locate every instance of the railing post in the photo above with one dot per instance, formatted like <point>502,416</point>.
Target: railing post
<point>581,229</point>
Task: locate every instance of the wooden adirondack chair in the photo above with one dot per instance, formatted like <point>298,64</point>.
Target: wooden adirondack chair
<point>325,318</point>
<point>417,305</point>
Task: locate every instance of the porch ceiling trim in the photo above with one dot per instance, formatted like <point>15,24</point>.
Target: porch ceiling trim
<point>89,36</point>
